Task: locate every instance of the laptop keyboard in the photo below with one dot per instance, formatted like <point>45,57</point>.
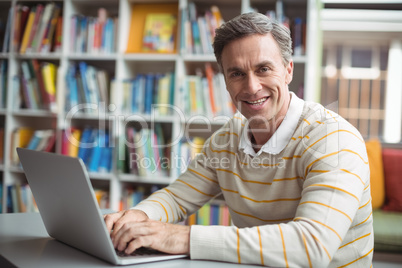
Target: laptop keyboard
<point>140,252</point>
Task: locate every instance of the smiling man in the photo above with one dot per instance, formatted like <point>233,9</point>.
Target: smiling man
<point>294,175</point>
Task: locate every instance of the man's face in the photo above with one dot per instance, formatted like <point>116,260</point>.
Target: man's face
<point>256,78</point>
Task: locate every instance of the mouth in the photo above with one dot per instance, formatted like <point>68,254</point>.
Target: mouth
<point>257,102</point>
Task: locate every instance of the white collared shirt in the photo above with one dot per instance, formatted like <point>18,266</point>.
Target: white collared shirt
<point>282,135</point>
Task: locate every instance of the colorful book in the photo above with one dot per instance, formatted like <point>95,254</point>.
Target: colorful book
<point>149,88</point>
<point>49,73</point>
<point>159,33</point>
<point>27,30</point>
<point>48,36</point>
<point>34,29</point>
<point>40,83</point>
<point>42,24</point>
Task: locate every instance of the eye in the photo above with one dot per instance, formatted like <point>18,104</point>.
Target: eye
<point>236,74</point>
<point>264,69</point>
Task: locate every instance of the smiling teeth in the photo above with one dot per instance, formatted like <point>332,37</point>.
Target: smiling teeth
<point>258,101</point>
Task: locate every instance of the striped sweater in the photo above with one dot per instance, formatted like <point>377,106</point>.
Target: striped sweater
<point>307,206</point>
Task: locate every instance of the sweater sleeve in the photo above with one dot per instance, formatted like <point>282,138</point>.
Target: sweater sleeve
<point>196,186</point>
<point>336,184</point>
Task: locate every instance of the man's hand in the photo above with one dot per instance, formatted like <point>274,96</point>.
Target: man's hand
<point>165,237</point>
<point>132,229</point>
<point>115,221</point>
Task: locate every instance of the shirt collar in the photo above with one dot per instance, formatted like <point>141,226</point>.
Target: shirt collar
<point>281,136</point>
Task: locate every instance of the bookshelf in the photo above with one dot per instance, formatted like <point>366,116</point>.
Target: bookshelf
<point>120,69</point>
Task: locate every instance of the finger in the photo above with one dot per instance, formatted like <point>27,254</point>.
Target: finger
<point>110,220</point>
<point>143,241</point>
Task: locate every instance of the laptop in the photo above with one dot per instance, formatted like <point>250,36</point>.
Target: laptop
<point>68,207</point>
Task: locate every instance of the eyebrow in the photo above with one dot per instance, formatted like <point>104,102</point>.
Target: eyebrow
<point>258,65</point>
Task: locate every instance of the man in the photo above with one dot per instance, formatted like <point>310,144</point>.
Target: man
<point>294,175</point>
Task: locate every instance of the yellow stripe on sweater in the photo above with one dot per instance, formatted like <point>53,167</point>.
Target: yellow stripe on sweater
<point>169,206</point>
<point>322,245</point>
<point>238,246</point>
<point>326,226</point>
<point>254,217</point>
<point>355,240</point>
<point>192,187</point>
<point>308,255</point>
<point>331,154</point>
<point>365,255</point>
<point>205,177</point>
<point>283,246</point>
<point>259,238</point>
<point>325,205</point>
<point>260,201</point>
<point>335,188</point>
<point>237,175</point>
<point>167,215</point>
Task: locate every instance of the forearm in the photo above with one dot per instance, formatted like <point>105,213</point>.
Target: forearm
<point>183,197</point>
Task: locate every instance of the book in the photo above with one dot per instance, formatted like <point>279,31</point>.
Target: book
<point>131,148</point>
<point>149,87</point>
<point>72,95</point>
<point>36,67</point>
<point>96,152</point>
<point>195,30</point>
<point>159,33</point>
<point>47,141</point>
<point>42,24</point>
<point>49,34</point>
<point>163,96</point>
<point>86,144</point>
<point>3,83</point>
<point>7,33</point>
<point>35,26</point>
<point>27,30</point>
<point>57,40</point>
<point>37,136</point>
<point>105,163</point>
<point>29,90</point>
<point>139,13</point>
<point>20,138</point>
<point>1,146</point>
<point>49,74</point>
<point>74,142</point>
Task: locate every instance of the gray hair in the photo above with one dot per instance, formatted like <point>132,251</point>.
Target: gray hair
<point>248,24</point>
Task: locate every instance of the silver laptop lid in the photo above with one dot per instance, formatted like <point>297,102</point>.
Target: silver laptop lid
<point>66,202</point>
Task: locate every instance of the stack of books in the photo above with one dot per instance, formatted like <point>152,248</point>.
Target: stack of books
<point>198,31</point>
<point>27,137</point>
<point>134,195</point>
<point>205,95</point>
<point>148,154</point>
<point>20,199</point>
<point>92,145</point>
<point>37,83</point>
<point>37,28</point>
<point>93,34</point>
<point>86,85</point>
<point>144,94</point>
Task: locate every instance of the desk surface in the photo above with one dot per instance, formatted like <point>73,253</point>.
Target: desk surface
<point>24,242</point>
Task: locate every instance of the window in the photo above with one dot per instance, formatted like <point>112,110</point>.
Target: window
<point>362,69</point>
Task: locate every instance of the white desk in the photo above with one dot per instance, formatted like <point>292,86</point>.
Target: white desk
<point>24,242</point>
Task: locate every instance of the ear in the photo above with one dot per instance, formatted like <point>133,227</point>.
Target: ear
<point>289,72</point>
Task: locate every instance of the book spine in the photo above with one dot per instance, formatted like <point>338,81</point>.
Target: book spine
<point>27,30</point>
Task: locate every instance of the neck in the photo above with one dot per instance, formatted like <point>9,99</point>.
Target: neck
<point>261,132</point>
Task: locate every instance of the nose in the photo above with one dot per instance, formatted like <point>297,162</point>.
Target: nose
<point>253,84</point>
